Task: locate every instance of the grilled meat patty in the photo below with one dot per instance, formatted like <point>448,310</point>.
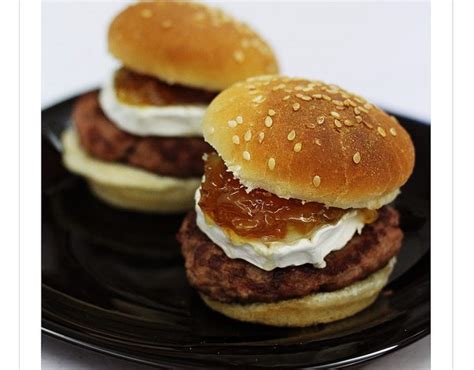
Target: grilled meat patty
<point>168,156</point>
<point>237,281</point>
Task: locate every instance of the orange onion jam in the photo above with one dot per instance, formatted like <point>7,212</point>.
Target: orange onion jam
<point>138,89</point>
<point>259,214</point>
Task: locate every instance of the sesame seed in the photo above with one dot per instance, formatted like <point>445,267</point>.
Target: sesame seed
<point>248,135</point>
<point>271,163</point>
<point>258,99</point>
<point>381,131</point>
<point>326,97</point>
<point>368,106</point>
<point>316,181</point>
<point>335,114</point>
<point>338,123</point>
<point>239,56</point>
<point>368,125</point>
<point>310,125</point>
<point>297,147</point>
<point>279,87</point>
<point>296,106</point>
<point>340,107</point>
<point>356,111</point>
<point>286,97</point>
<point>364,110</point>
<point>271,112</point>
<point>359,119</point>
<point>235,139</point>
<point>317,141</point>
<point>356,158</point>
<point>304,97</point>
<point>393,131</point>
<point>337,102</point>
<point>166,24</point>
<point>268,121</point>
<point>359,99</point>
<point>239,120</point>
<point>348,122</point>
<point>232,123</point>
<point>317,96</point>
<point>261,136</point>
<point>146,13</point>
<point>291,136</point>
<point>320,120</point>
<point>246,155</point>
<point>393,119</point>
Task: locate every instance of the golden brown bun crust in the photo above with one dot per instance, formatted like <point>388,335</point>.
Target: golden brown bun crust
<point>125,186</point>
<point>311,310</point>
<point>189,44</point>
<point>307,140</point>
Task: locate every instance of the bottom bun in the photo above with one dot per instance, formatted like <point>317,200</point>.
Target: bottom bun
<point>313,309</point>
<point>128,187</point>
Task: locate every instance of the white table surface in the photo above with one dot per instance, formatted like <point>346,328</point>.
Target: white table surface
<point>380,50</point>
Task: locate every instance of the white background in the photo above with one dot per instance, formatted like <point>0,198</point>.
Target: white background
<point>378,49</point>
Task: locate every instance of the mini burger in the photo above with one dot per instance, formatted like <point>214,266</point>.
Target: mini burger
<point>138,142</point>
<point>292,225</point>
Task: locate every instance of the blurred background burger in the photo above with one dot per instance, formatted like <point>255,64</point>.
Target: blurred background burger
<point>138,141</point>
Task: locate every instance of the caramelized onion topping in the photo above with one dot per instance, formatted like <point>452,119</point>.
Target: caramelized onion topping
<point>260,214</point>
<point>137,89</point>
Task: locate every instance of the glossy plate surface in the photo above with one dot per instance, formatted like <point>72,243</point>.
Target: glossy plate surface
<point>113,281</point>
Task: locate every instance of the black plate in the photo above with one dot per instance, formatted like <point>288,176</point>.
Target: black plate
<point>113,281</point>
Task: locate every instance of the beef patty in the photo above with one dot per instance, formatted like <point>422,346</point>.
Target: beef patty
<point>167,156</point>
<point>237,281</point>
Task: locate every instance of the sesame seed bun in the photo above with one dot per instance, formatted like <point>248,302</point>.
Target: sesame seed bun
<point>128,187</point>
<point>188,43</point>
<point>311,141</point>
<point>311,310</point>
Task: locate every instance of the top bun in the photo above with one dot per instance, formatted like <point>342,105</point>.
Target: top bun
<point>188,43</point>
<point>308,140</point>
